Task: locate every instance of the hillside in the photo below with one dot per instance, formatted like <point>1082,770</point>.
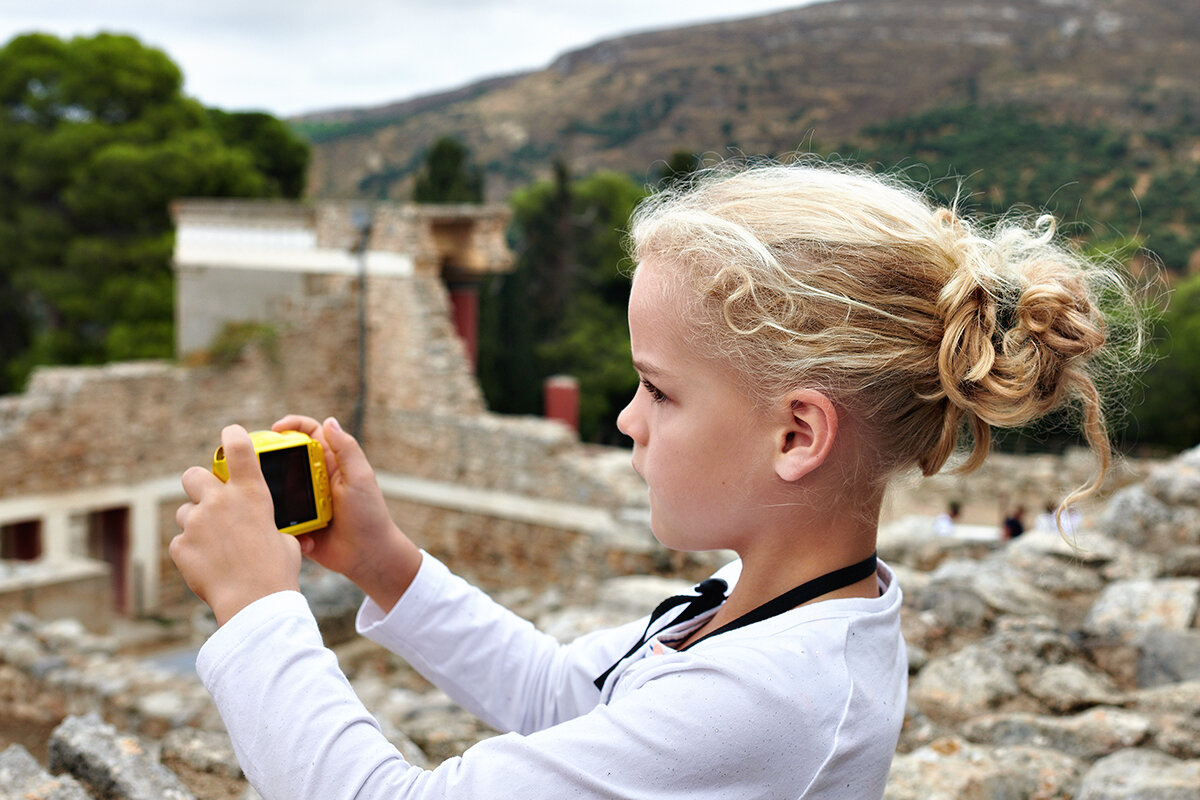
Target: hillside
<point>812,76</point>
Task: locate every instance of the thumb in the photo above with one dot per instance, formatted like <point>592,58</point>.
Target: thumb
<point>240,457</point>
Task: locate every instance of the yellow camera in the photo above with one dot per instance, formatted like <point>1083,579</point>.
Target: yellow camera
<point>294,465</point>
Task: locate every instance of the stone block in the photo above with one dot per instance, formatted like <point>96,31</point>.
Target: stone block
<point>21,776</point>
<point>1131,606</point>
<point>112,764</point>
<point>1141,774</point>
<point>951,769</point>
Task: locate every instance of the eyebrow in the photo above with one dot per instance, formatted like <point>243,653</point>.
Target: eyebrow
<point>647,369</point>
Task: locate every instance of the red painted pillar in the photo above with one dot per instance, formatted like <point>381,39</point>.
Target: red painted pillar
<point>464,304</point>
<point>560,400</point>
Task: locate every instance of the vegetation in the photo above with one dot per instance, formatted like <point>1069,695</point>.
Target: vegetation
<point>1132,197</point>
<point>448,176</point>
<point>96,139</point>
<point>1168,414</point>
<point>1102,184</point>
<point>562,309</point>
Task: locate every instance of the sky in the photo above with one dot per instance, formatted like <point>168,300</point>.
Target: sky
<point>288,57</point>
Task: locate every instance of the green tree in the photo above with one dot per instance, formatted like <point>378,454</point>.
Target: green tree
<point>96,139</point>
<point>1168,413</point>
<point>562,310</point>
<point>679,167</point>
<point>448,176</point>
<point>278,153</point>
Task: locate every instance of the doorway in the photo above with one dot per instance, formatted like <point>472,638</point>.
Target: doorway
<point>108,541</point>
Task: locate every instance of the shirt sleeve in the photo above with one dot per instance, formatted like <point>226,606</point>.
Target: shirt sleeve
<point>490,661</point>
<point>300,732</point>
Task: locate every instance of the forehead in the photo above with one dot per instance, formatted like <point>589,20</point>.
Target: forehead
<point>653,305</point>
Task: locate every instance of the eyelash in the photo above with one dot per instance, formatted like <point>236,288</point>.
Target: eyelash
<point>655,393</point>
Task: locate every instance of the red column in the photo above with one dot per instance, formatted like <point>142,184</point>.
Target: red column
<point>560,400</point>
<point>464,304</point>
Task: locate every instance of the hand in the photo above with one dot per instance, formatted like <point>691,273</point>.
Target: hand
<point>361,542</point>
<point>230,552</point>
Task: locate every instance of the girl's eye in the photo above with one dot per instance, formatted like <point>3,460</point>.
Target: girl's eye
<point>655,394</point>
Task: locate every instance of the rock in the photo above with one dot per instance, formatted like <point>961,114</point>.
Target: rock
<point>1056,576</point>
<point>569,624</point>
<point>634,596</point>
<point>956,608</point>
<point>1026,645</point>
<point>112,764</point>
<point>1133,515</point>
<point>435,723</point>
<point>951,769</point>
<point>1140,774</point>
<point>166,709</point>
<point>1182,562</point>
<point>1088,736</point>
<point>1167,656</point>
<point>203,751</point>
<point>1171,697</point>
<point>334,601</point>
<point>1088,548</point>
<point>963,684</point>
<point>999,584</point>
<point>912,542</point>
<point>62,632</point>
<point>1177,483</point>
<point>21,776</point>
<point>1127,607</point>
<point>1140,518</point>
<point>1064,688</point>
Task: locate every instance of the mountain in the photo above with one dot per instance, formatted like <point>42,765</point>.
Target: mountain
<point>809,77</point>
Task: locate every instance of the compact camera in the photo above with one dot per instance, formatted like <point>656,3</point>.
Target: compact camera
<point>294,465</point>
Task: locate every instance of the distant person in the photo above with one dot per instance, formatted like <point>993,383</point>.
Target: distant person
<point>1014,523</point>
<point>943,523</point>
<point>802,334</point>
<point>1050,519</point>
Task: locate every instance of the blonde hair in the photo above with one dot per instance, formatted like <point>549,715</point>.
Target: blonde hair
<point>921,322</point>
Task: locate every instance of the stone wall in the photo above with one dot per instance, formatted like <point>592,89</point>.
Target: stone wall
<point>77,588</point>
<point>82,440</point>
<point>1039,668</point>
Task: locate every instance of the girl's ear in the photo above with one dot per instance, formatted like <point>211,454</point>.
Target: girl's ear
<point>809,425</point>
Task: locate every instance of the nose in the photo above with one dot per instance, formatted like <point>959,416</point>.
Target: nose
<point>631,422</point>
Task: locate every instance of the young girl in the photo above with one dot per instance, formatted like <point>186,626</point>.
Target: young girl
<point>802,333</point>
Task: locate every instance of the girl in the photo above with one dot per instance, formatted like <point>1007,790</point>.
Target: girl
<point>803,333</point>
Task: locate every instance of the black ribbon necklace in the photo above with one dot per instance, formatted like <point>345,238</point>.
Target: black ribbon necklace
<point>711,593</point>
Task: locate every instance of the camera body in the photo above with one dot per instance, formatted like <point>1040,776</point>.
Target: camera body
<point>294,465</point>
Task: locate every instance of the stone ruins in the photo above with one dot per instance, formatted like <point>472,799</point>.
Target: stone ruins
<point>1040,668</point>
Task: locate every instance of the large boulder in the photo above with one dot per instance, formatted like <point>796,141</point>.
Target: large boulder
<point>951,769</point>
<point>1141,774</point>
<point>21,776</point>
<point>111,764</point>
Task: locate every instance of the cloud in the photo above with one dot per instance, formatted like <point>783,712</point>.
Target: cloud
<point>290,56</point>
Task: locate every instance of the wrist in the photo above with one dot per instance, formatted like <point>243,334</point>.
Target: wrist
<point>390,569</point>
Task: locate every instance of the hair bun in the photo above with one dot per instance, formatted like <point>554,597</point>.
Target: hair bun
<point>1020,324</point>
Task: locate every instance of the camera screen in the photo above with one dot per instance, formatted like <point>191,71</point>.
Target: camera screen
<point>288,478</point>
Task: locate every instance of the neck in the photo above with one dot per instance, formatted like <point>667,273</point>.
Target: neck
<point>804,544</point>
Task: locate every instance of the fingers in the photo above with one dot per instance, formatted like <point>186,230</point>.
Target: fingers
<point>306,543</point>
<point>197,481</point>
<point>297,422</point>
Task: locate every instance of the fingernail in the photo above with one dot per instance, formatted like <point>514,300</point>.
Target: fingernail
<point>336,425</point>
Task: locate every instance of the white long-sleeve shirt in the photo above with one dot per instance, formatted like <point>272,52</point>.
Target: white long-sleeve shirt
<point>806,704</point>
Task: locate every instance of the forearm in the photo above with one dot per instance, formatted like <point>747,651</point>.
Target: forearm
<point>489,660</point>
<point>299,731</point>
